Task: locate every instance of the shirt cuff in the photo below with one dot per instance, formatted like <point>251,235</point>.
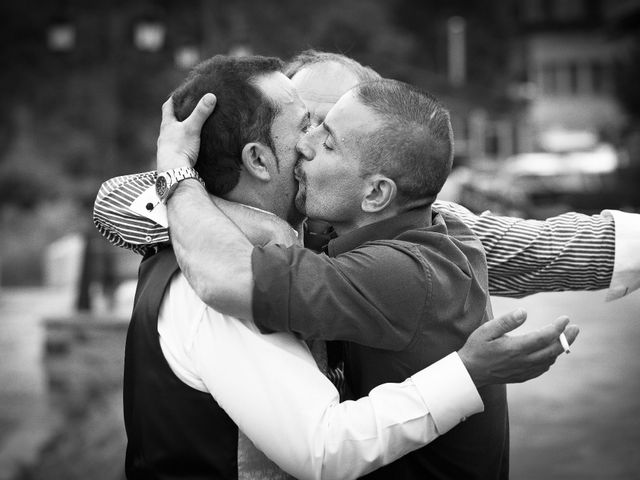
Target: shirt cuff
<point>448,391</point>
<point>626,270</point>
<point>148,205</point>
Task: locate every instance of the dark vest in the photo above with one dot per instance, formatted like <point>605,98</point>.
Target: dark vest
<point>477,448</point>
<point>173,430</point>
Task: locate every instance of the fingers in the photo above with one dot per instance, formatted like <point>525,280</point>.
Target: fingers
<point>539,339</point>
<point>546,355</point>
<point>560,324</point>
<point>167,112</point>
<point>499,326</point>
<point>571,332</point>
<point>200,114</point>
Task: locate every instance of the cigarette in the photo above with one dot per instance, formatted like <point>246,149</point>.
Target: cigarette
<point>564,343</point>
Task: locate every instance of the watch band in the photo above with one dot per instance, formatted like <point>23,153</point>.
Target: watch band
<point>167,182</point>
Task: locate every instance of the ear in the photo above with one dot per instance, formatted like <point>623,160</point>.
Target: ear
<point>379,194</point>
<point>258,161</point>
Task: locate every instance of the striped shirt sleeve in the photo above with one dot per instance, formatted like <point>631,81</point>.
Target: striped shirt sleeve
<point>120,225</point>
<point>568,252</point>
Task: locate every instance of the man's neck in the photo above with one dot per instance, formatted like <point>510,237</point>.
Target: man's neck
<point>250,199</point>
<point>253,200</point>
<point>343,228</point>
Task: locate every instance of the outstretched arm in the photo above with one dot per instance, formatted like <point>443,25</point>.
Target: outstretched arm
<point>569,252</point>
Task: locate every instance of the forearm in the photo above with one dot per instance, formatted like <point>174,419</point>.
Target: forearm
<point>258,226</point>
<point>271,388</point>
<point>568,252</point>
<point>318,297</point>
<point>213,253</point>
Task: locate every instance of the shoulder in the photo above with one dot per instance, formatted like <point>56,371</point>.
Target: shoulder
<point>387,255</point>
<point>182,311</point>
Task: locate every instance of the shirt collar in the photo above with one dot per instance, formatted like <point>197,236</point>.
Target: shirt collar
<point>385,230</point>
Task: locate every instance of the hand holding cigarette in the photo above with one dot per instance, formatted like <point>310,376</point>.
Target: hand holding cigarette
<point>492,356</point>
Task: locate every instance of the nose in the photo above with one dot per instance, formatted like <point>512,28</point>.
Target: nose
<point>305,148</point>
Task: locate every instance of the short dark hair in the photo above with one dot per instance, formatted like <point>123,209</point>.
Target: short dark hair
<point>414,145</point>
<point>312,57</point>
<point>242,114</point>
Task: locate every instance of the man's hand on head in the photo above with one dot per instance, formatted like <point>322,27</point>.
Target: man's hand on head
<point>491,356</point>
<point>179,142</point>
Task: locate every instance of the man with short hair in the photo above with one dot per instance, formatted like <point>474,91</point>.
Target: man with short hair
<point>412,283</point>
<point>179,352</point>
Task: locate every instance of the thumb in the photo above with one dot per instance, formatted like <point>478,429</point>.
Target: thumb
<point>167,112</point>
<point>202,111</point>
<point>571,332</point>
<point>504,324</point>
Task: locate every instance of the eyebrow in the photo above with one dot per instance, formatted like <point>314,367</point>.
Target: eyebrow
<point>330,131</point>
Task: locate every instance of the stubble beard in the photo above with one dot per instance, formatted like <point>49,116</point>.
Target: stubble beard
<point>301,196</point>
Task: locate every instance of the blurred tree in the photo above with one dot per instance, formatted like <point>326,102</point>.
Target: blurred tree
<point>21,39</point>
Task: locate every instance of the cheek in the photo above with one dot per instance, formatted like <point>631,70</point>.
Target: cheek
<point>317,175</point>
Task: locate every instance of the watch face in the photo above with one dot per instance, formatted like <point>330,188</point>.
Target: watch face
<point>161,187</point>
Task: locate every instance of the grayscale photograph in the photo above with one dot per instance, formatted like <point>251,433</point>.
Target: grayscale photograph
<point>268,240</point>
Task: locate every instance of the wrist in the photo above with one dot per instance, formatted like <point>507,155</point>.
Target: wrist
<point>186,185</point>
<point>173,162</point>
<point>471,368</point>
<point>167,182</point>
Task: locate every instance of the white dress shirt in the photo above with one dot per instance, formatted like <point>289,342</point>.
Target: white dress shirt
<point>272,389</point>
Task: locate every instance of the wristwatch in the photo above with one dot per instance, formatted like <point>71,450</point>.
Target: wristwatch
<point>167,182</point>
